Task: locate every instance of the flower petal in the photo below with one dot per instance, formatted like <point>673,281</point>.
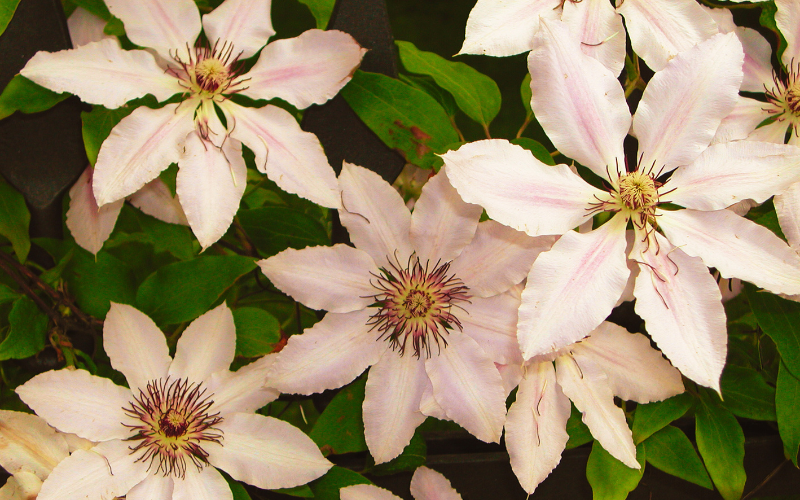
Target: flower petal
<point>139,147</point>
<point>366,492</point>
<point>572,288</point>
<point>28,444</point>
<point>21,486</point>
<point>498,258</point>
<point>76,401</point>
<point>328,355</point>
<point>244,389</point>
<point>536,432</point>
<point>518,190</point>
<point>101,73</point>
<point>374,215</point>
<point>210,185</point>
<point>736,246</point>
<point>468,387</point>
<point>84,27</point>
<point>757,66</point>
<point>392,403</point>
<point>153,487</point>
<point>660,29</point>
<point>290,157</point>
<point>135,345</point>
<point>164,26</point>
<point>428,405</point>
<point>155,200</point>
<point>208,345</point>
<point>787,18</point>
<point>728,173</point>
<point>207,484</point>
<point>682,308</point>
<point>305,70</point>
<point>442,223</point>
<point>578,101</point>
<point>587,386</point>
<point>266,452</point>
<point>89,224</point>
<point>685,102</point>
<point>600,30</point>
<point>743,120</point>
<point>492,323</point>
<point>427,484</point>
<point>635,371</point>
<point>335,279</point>
<point>787,207</point>
<point>245,24</point>
<point>505,28</point>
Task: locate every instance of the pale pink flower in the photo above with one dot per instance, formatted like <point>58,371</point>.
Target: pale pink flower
<point>426,484</point>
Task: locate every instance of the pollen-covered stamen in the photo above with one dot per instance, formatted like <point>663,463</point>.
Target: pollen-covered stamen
<point>210,72</point>
<point>416,301</point>
<point>638,191</point>
<point>784,96</point>
<point>172,423</point>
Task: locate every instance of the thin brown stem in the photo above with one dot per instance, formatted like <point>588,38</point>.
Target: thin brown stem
<point>458,130</point>
<point>525,124</point>
<point>766,480</point>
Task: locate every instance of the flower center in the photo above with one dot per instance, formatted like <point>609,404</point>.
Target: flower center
<point>638,191</point>
<point>210,75</point>
<point>417,302</point>
<point>209,72</point>
<point>172,423</point>
<point>784,96</point>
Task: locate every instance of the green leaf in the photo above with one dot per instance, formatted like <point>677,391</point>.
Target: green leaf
<point>476,94</point>
<point>526,94</point>
<point>114,27</point>
<point>767,20</point>
<point>14,219</point>
<point>302,491</point>
<point>257,331</point>
<point>746,393</point>
<point>405,118</point>
<point>184,290</point>
<point>98,281</point>
<point>176,239</point>
<point>652,417</point>
<point>97,124</point>
<point>539,151</point>
<point>721,443</point>
<point>780,319</point>
<point>28,330</point>
<point>96,7</point>
<point>578,432</point>
<point>671,451</point>
<point>770,221</point>
<point>274,229</point>
<point>238,491</point>
<point>327,487</point>
<point>611,479</point>
<point>787,406</point>
<point>7,294</point>
<point>27,97</point>
<point>7,9</point>
<point>428,85</point>
<point>412,457</point>
<point>321,10</point>
<point>340,428</point>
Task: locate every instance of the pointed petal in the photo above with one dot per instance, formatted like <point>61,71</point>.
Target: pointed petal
<point>155,200</point>
<point>505,28</point>
<point>578,101</point>
<point>511,375</point>
<point>244,389</point>
<point>84,27</point>
<point>245,24</point>
<point>139,147</point>
<point>728,173</point>
<point>27,443</point>
<point>88,474</point>
<point>600,30</point>
<point>682,308</point>
<point>329,355</point>
<point>374,215</point>
<point>153,487</point>
<point>685,102</point>
<point>572,288</point>
<point>660,29</point>
<point>428,405</point>
<point>743,120</point>
<point>498,258</point>
<point>757,66</point>
<point>787,207</point>
<point>22,486</point>
<point>207,484</point>
<point>392,404</point>
<point>266,452</point>
<point>468,387</point>
<point>210,185</point>
<point>76,401</point>
<point>366,492</point>
<point>536,432</point>
<point>518,190</point>
<point>492,323</point>
<point>207,346</point>
<point>787,18</point>
<point>290,157</point>
<point>736,246</point>
<point>164,26</point>
<point>427,484</point>
<point>101,73</point>
<point>442,223</point>
<point>587,386</point>
<point>635,371</point>
<point>305,70</point>
<point>335,279</point>
<point>135,345</point>
<point>89,224</point>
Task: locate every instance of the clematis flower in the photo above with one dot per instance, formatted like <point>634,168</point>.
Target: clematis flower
<point>572,288</point>
<point>29,450</point>
<point>420,299</point>
<point>426,484</point>
<point>309,69</point>
<point>609,362</point>
<point>658,29</point>
<point>181,418</point>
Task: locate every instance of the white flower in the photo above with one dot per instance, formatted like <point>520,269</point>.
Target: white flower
<point>572,288</point>
<point>421,300</point>
<point>162,438</point>
<point>309,69</point>
<point>426,484</point>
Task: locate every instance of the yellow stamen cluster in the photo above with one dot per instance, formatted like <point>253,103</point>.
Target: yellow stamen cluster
<point>638,191</point>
